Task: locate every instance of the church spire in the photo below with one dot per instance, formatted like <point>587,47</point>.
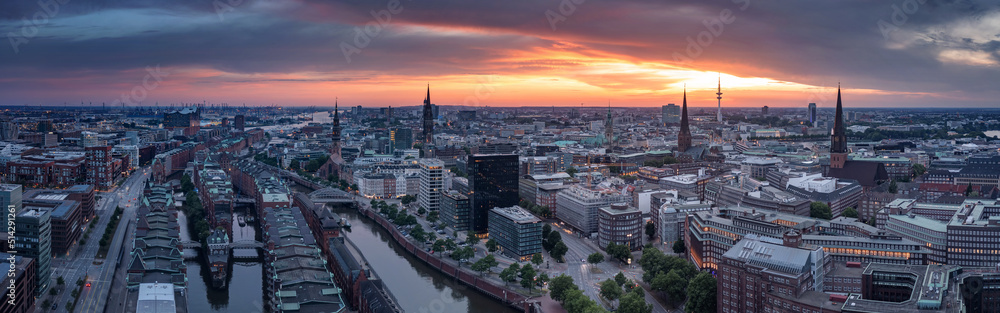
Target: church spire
<point>838,143</point>
<point>336,112</point>
<point>684,136</point>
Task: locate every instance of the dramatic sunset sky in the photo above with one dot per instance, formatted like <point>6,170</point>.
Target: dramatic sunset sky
<point>914,53</point>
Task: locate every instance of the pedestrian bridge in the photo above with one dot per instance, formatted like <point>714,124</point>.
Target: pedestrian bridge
<point>331,195</point>
<point>239,244</point>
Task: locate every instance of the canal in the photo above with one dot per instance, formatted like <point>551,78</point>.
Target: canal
<point>418,288</point>
<point>244,293</point>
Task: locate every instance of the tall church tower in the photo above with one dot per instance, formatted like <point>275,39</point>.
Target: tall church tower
<point>428,118</point>
<point>684,136</point>
<point>838,141</point>
<point>335,133</point>
<point>609,130</point>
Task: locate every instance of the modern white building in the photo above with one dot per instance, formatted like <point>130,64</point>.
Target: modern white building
<point>431,184</point>
<point>578,206</point>
<point>132,151</point>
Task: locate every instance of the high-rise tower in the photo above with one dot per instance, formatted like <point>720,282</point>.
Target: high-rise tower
<point>719,97</point>
<point>609,131</point>
<point>838,141</point>
<point>684,136</point>
<point>812,114</point>
<point>428,118</point>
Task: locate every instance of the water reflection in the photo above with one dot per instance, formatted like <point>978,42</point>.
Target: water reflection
<point>418,287</point>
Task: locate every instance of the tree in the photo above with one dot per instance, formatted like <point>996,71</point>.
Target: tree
<point>542,278</point>
<point>537,259</point>
<point>407,199</point>
<point>679,246</point>
<point>60,281</point>
<point>675,285</point>
<point>620,279</point>
<point>595,258</point>
<point>650,230</point>
<point>481,265</point>
<point>463,254</point>
<point>576,302</point>
<point>492,245</point>
<point>892,186</point>
<point>820,210</point>
<point>421,211</point>
<point>571,171</point>
<point>528,276</point>
<point>546,229</point>
<point>432,217</point>
<point>634,302</point>
<point>701,294</point>
<point>919,170</point>
<point>52,292</point>
<point>440,246</point>
<point>46,303</point>
<point>418,234</point>
<point>620,252</point>
<point>611,290</point>
<point>489,261</point>
<point>968,190</point>
<point>559,285</point>
<point>850,212</point>
<point>186,184</point>
<point>559,251</point>
<point>470,238</point>
<point>551,240</point>
<point>509,274</point>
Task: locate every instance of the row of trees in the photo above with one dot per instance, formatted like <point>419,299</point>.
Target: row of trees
<point>630,300</point>
<point>678,280</point>
<point>542,211</point>
<point>528,276</point>
<point>109,230</point>
<point>197,222</point>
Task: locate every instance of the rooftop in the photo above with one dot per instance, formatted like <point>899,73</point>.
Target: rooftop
<point>517,214</point>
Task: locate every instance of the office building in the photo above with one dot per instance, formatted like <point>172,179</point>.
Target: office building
<point>455,210</point>
<point>619,224</point>
<point>772,275</point>
<point>812,114</point>
<point>711,233</point>
<point>962,234</point>
<point>33,239</point>
<point>10,194</point>
<point>431,184</point>
<point>671,114</point>
<point>402,138</point>
<point>578,206</point>
<point>239,122</point>
<point>99,166</point>
<point>493,183</point>
<point>22,277</point>
<point>516,231</point>
<point>764,111</point>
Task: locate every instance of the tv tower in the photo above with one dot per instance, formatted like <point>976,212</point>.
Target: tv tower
<point>719,94</point>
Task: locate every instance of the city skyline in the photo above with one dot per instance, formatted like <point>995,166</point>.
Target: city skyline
<point>305,53</point>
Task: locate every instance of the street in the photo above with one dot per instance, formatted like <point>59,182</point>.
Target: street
<point>81,262</point>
